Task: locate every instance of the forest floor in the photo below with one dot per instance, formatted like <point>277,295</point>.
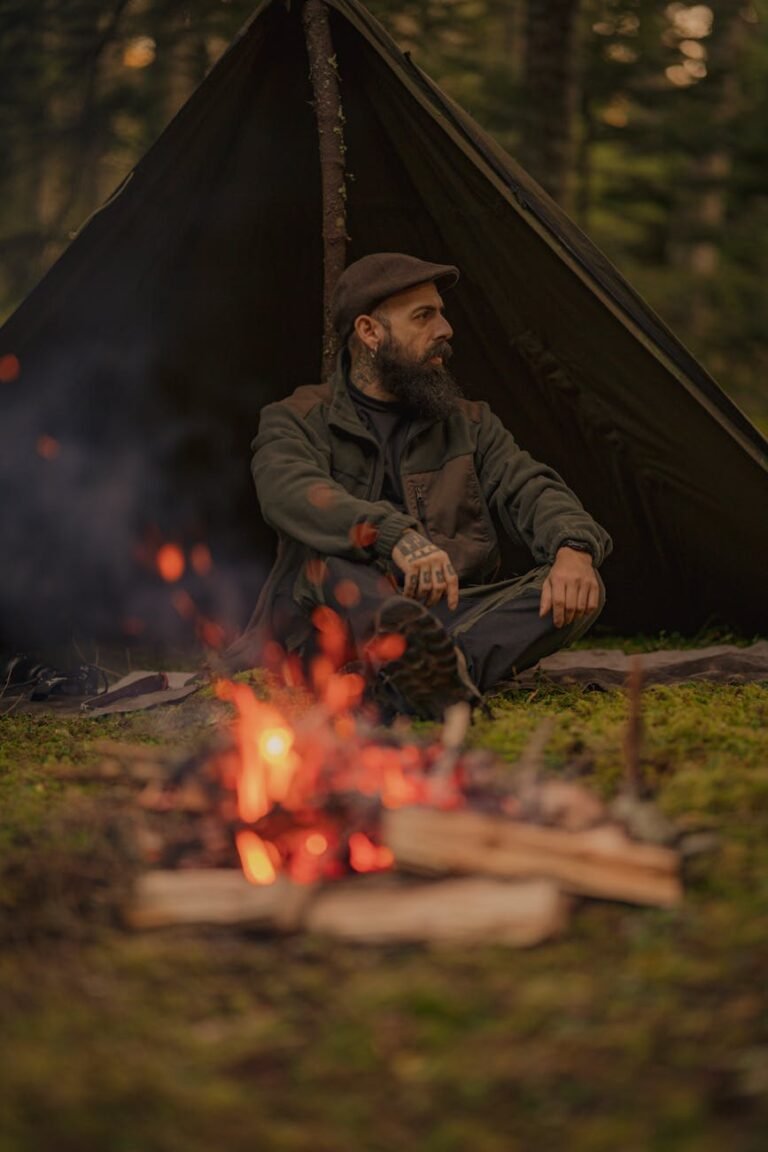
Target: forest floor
<point>638,1030</point>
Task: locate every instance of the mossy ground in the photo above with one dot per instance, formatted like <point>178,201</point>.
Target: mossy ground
<point>639,1030</point>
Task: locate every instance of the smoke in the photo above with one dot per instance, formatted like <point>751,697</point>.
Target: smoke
<point>100,467</point>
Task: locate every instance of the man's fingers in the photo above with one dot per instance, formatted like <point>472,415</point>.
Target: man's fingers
<point>557,594</point>
<point>545,604</point>
<point>426,583</point>
<point>593,598</point>
<point>558,605</point>
<point>411,584</point>
<point>570,601</point>
<point>582,599</point>
<point>451,586</point>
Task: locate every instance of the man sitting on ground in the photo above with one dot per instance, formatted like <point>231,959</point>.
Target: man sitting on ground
<point>381,486</point>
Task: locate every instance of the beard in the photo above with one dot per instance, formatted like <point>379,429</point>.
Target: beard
<point>422,389</point>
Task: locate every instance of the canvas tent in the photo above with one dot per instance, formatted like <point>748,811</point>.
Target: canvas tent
<point>194,297</point>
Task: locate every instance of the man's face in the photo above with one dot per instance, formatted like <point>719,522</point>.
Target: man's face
<point>414,350</point>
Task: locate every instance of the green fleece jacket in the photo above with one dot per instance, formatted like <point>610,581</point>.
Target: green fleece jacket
<point>319,471</point>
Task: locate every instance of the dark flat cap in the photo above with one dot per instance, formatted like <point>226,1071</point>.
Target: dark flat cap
<point>374,278</point>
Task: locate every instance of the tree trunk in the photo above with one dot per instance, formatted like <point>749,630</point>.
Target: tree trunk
<point>330,130</point>
<point>550,84</point>
<point>697,240</point>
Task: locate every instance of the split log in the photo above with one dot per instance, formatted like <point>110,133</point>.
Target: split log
<point>365,910</point>
<point>198,896</point>
<point>463,911</point>
<point>600,861</point>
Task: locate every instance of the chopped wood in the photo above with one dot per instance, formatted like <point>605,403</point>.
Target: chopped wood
<point>203,896</point>
<point>601,861</point>
<point>472,910</point>
<point>366,910</point>
<point>562,802</point>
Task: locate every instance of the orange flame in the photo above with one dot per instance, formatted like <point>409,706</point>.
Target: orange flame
<point>298,783</point>
<point>255,858</point>
<point>365,856</point>
<point>267,760</point>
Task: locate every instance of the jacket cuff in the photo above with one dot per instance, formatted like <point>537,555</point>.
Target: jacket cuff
<point>390,531</point>
<point>592,540</point>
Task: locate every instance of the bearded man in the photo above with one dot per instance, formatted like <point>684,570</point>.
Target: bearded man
<point>381,486</point>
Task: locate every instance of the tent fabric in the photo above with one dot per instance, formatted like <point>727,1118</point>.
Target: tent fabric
<point>194,296</point>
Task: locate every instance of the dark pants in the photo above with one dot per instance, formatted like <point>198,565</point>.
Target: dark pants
<point>497,625</point>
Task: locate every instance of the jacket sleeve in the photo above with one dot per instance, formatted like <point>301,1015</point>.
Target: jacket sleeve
<point>299,497</point>
<point>531,499</point>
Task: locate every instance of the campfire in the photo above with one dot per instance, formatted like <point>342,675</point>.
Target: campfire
<point>315,817</point>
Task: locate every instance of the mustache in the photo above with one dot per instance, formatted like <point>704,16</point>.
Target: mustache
<point>442,348</point>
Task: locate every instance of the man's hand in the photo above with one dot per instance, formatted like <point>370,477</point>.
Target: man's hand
<point>571,589</point>
<point>428,571</point>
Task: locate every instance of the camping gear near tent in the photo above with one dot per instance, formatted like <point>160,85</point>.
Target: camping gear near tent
<point>194,296</point>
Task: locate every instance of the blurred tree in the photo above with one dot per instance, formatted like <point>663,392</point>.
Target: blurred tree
<point>645,117</point>
<point>550,82</point>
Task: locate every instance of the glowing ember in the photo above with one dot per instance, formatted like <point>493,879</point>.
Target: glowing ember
<point>201,560</point>
<point>184,604</point>
<point>316,844</point>
<point>363,535</point>
<point>213,635</point>
<point>347,593</point>
<point>10,368</point>
<point>170,562</point>
<point>47,447</point>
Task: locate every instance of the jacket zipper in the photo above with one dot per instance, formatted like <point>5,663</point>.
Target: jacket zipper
<point>421,507</point>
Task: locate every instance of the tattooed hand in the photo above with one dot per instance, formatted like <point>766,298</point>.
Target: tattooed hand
<point>428,571</point>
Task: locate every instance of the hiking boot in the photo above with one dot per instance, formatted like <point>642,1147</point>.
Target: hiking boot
<point>429,674</point>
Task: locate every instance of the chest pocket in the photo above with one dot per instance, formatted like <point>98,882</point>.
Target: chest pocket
<point>450,505</point>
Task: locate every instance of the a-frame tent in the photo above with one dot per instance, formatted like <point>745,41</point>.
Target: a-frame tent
<point>194,296</point>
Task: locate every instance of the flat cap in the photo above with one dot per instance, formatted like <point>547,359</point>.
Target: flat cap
<point>374,278</point>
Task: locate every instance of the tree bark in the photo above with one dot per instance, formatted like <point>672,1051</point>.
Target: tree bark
<point>330,129</point>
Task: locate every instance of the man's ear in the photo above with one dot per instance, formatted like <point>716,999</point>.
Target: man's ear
<point>368,331</point>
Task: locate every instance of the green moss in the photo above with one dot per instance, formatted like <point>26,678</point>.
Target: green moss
<point>641,1029</point>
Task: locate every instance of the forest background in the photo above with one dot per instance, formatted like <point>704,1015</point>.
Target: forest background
<point>646,120</point>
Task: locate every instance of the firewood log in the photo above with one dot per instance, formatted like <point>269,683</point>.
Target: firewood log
<point>600,861</point>
<point>202,896</point>
<point>365,909</point>
<point>462,911</point>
